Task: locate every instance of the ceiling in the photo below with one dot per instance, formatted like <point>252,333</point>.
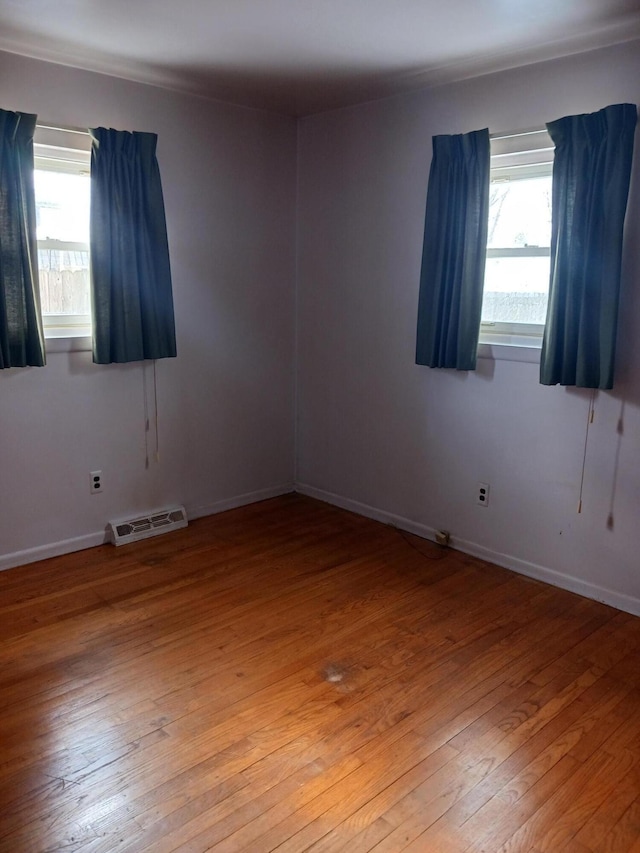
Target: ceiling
<point>304,56</point>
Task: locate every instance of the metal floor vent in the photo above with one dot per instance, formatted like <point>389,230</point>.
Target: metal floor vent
<point>160,521</point>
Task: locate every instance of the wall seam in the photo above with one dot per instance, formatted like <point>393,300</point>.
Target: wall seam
<point>296,307</point>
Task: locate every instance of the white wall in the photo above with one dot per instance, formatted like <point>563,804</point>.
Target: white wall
<point>226,402</point>
<point>408,444</point>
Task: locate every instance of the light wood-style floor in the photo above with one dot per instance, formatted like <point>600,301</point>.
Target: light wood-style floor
<point>291,677</point>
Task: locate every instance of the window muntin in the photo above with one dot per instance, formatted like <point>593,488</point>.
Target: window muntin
<point>519,236</point>
<point>62,189</point>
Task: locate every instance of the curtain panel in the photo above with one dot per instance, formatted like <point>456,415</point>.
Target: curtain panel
<point>591,173</point>
<point>21,333</point>
<point>454,249</point>
<point>131,291</point>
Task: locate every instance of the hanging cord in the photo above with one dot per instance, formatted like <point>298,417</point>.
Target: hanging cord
<point>147,420</point>
<point>146,416</point>
<point>590,416</point>
<point>155,407</point>
<point>616,466</point>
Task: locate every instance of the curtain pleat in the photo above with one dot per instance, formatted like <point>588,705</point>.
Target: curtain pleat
<point>454,249</point>
<point>131,291</point>
<point>21,333</point>
<point>591,173</point>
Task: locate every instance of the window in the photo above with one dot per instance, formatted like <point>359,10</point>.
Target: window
<point>518,245</point>
<point>62,160</point>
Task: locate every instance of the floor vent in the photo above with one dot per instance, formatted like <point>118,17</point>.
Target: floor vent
<point>160,521</point>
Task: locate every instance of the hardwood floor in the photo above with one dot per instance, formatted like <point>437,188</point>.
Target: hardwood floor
<point>288,676</point>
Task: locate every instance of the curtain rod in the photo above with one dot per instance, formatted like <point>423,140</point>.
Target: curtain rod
<point>500,135</point>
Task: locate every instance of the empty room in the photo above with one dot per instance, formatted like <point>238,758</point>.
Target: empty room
<point>320,427</point>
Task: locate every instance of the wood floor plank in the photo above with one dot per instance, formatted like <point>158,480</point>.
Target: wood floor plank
<point>557,821</point>
<point>617,817</point>
<point>529,758</point>
<point>289,676</point>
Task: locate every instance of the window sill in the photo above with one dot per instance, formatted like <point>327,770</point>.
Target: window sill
<point>528,353</point>
<point>68,343</point>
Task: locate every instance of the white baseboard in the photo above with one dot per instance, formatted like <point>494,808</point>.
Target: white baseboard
<point>239,500</point>
<point>53,549</point>
<point>91,540</point>
<point>368,511</point>
<point>569,582</point>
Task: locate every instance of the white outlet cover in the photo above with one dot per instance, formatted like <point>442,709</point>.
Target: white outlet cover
<point>482,494</point>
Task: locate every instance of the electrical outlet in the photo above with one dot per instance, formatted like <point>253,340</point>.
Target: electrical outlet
<point>482,494</point>
<point>95,482</point>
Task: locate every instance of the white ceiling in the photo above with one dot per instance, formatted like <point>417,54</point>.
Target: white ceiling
<point>303,56</point>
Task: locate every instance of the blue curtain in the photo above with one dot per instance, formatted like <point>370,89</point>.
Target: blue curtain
<point>131,291</point>
<point>591,173</point>
<point>454,250</point>
<point>21,334</point>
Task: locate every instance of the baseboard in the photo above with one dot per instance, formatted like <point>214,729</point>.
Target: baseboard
<point>569,582</point>
<point>91,540</point>
<point>53,549</point>
<point>239,500</point>
<point>368,511</point>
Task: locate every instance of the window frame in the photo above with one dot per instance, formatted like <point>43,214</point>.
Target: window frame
<point>66,151</point>
<point>518,156</point>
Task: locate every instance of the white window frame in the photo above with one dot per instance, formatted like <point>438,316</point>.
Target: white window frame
<point>525,154</point>
<point>66,150</point>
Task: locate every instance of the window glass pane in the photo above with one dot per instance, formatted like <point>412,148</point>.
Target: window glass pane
<point>62,210</point>
<point>64,281</point>
<point>520,213</point>
<point>62,205</point>
<point>516,290</point>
